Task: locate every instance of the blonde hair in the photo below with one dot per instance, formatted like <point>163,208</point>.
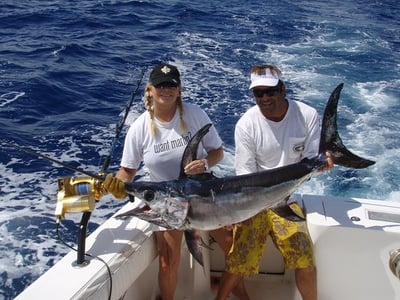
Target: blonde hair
<point>148,104</point>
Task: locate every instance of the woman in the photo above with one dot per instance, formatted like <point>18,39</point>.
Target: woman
<point>158,138</point>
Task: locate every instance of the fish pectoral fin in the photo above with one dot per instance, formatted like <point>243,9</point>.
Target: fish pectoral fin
<point>193,241</point>
<point>291,212</point>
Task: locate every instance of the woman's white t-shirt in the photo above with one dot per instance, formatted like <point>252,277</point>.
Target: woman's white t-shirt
<point>162,153</point>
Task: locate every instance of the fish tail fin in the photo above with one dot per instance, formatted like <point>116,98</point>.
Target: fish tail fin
<point>331,141</point>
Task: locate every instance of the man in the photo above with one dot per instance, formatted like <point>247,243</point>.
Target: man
<point>273,133</point>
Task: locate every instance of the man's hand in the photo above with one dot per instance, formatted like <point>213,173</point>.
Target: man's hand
<point>329,163</point>
<point>115,186</point>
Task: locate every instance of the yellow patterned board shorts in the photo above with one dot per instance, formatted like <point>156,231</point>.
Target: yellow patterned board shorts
<point>291,239</point>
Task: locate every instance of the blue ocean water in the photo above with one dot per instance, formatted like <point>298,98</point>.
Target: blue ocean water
<point>67,70</point>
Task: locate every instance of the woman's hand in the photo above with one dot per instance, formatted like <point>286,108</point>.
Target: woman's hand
<point>197,166</point>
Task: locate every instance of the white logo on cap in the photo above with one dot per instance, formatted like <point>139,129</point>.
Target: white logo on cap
<point>165,70</point>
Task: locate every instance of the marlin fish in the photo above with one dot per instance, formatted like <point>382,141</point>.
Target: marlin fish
<point>206,202</point>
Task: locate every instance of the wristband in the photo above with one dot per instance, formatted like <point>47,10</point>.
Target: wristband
<point>205,164</point>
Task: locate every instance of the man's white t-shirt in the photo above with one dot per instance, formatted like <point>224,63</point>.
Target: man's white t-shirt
<point>162,153</point>
<point>262,144</point>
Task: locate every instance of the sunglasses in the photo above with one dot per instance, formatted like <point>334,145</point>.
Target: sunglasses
<point>166,85</point>
<point>270,92</point>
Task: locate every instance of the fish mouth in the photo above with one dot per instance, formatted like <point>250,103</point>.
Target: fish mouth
<point>143,212</point>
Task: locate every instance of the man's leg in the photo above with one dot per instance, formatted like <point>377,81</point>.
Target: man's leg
<point>228,283</point>
<point>224,238</point>
<point>306,281</point>
<point>250,238</point>
<point>294,242</point>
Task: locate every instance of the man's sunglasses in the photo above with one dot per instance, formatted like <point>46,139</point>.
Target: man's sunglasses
<point>166,85</point>
<point>270,92</point>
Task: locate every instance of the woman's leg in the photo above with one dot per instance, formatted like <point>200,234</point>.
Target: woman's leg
<point>169,251</point>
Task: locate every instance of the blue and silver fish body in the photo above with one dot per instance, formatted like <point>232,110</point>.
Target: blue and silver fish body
<point>224,201</point>
<point>206,202</point>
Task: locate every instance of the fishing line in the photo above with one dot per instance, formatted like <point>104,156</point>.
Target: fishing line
<point>87,254</point>
<point>65,165</point>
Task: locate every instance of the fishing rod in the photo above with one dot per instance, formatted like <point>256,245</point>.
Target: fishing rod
<point>121,123</point>
<point>80,193</point>
<point>93,190</point>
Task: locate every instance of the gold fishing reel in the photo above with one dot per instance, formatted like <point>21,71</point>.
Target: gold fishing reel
<point>77,194</point>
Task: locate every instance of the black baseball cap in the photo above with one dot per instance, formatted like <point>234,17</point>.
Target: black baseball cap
<point>165,73</point>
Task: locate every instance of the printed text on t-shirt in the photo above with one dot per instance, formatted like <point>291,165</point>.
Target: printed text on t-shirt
<point>170,145</point>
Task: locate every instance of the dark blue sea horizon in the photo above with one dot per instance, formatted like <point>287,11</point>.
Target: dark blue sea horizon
<point>68,68</point>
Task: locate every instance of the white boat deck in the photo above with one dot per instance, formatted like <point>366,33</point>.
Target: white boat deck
<point>352,240</point>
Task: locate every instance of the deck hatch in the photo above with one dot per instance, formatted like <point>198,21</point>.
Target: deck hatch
<point>382,216</point>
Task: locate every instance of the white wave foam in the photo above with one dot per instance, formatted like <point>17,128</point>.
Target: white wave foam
<point>379,95</point>
<point>58,51</point>
<point>394,196</point>
<point>10,97</point>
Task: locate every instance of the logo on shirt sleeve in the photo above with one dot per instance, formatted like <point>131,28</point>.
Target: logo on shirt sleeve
<point>298,147</point>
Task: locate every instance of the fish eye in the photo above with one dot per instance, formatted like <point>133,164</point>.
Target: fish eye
<point>148,195</point>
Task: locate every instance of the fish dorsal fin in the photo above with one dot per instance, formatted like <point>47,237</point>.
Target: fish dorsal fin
<point>190,153</point>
